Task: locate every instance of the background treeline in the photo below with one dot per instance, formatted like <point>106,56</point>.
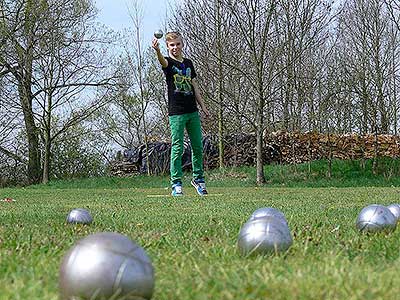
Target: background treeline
<point>72,92</point>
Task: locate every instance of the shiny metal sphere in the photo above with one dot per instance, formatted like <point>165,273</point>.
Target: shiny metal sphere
<point>106,265</point>
<point>395,209</point>
<point>158,34</point>
<point>374,218</point>
<point>79,215</point>
<point>267,212</point>
<point>264,235</point>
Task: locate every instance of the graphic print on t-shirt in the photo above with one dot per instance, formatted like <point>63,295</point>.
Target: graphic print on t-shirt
<point>182,81</point>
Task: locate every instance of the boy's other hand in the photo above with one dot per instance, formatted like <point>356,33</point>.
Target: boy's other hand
<point>155,44</point>
<point>206,112</point>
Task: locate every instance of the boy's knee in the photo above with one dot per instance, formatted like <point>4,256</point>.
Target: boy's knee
<point>197,147</point>
<point>197,150</point>
<point>177,148</point>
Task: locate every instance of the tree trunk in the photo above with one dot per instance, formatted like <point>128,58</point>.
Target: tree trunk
<point>47,140</point>
<point>329,155</point>
<point>375,159</point>
<point>46,159</point>
<point>25,60</point>
<point>220,137</point>
<point>260,162</point>
<point>220,90</point>
<point>259,135</point>
<point>136,19</point>
<point>32,135</point>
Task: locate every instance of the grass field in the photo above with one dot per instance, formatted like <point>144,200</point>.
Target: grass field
<point>192,240</point>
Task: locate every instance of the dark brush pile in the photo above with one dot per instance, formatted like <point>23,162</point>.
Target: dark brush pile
<point>279,147</point>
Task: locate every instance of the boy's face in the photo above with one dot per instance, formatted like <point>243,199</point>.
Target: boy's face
<point>175,47</point>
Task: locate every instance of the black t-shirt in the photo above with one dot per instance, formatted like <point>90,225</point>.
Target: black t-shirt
<point>179,75</point>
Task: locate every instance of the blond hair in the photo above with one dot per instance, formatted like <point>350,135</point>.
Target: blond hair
<point>172,35</point>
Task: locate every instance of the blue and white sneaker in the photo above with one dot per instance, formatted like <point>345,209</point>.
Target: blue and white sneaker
<point>200,186</point>
<point>177,189</point>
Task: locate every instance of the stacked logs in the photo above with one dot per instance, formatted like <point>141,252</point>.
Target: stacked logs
<point>296,147</point>
<point>240,150</point>
<point>279,147</point>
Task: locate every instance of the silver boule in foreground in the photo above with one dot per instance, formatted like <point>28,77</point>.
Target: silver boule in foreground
<point>106,265</point>
<point>267,212</point>
<point>158,34</point>
<point>375,218</point>
<point>79,215</point>
<point>265,235</point>
<point>395,209</point>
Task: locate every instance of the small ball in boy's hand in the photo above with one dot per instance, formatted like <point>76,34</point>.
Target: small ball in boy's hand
<point>158,34</point>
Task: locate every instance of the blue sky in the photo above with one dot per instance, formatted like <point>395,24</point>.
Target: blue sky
<point>114,14</point>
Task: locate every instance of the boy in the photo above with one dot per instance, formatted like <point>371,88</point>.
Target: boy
<point>183,97</point>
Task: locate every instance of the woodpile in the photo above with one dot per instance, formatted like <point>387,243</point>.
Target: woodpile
<point>279,147</point>
<point>240,150</point>
<point>122,168</point>
<point>296,147</point>
<point>134,161</point>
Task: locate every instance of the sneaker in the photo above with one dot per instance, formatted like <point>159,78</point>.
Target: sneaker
<point>200,186</point>
<point>177,189</point>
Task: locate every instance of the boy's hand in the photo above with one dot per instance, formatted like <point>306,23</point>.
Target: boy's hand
<point>155,44</point>
<point>206,112</point>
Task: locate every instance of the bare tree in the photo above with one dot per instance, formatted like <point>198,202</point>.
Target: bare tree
<point>65,74</point>
<point>304,30</point>
<point>20,23</point>
<point>255,27</point>
<point>121,121</point>
<point>137,113</point>
<point>368,43</point>
<point>394,9</point>
<point>368,47</point>
<point>51,55</point>
<point>136,16</point>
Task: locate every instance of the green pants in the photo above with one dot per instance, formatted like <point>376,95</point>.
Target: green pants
<point>177,124</point>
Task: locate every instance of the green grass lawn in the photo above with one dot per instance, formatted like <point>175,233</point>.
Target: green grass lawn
<point>192,240</point>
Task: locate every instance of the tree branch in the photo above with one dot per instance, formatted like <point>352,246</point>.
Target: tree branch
<point>13,155</point>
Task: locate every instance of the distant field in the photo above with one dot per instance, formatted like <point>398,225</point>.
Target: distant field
<point>192,240</point>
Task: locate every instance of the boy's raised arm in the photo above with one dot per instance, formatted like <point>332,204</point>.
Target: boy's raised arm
<point>161,58</point>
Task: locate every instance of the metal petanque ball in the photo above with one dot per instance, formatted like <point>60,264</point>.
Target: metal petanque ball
<point>158,34</point>
<point>375,218</point>
<point>395,209</point>
<point>266,212</point>
<point>106,265</point>
<point>79,215</point>
<point>265,235</point>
